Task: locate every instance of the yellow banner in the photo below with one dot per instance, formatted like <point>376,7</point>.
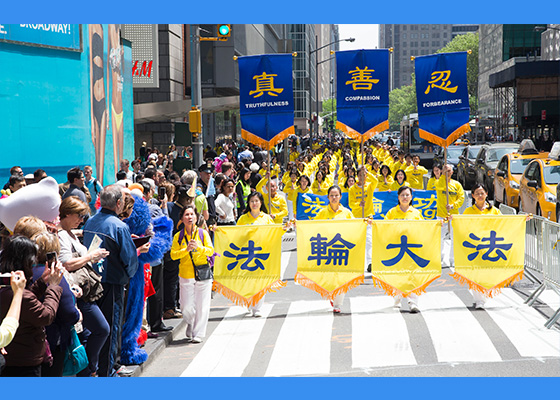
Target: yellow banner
<point>406,255</point>
<point>331,255</point>
<point>489,251</point>
<point>249,263</point>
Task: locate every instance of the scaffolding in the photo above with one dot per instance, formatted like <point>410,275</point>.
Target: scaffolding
<point>505,109</point>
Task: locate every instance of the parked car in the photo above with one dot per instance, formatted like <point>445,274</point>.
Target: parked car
<point>453,153</point>
<point>487,160</point>
<point>537,188</point>
<point>466,174</point>
<point>509,171</point>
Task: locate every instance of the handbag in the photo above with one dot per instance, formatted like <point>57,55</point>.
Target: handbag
<point>201,272</point>
<point>75,358</point>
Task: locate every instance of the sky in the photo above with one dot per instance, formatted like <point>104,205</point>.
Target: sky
<point>366,35</point>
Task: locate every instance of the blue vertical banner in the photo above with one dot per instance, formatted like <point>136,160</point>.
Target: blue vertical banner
<point>362,100</point>
<point>266,98</point>
<point>442,96</point>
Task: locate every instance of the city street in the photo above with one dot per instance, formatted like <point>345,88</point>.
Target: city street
<point>298,335</point>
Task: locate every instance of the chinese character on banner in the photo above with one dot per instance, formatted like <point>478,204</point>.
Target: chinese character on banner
<point>265,83</point>
<point>442,76</point>
<point>362,79</point>
<point>488,251</point>
<point>250,254</point>
<point>404,248</point>
<point>426,205</point>
<point>331,255</point>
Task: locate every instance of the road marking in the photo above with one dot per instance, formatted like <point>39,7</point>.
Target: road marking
<point>284,262</point>
<point>523,325</point>
<point>550,298</point>
<point>456,334</point>
<point>303,346</point>
<point>228,350</point>
<point>379,334</point>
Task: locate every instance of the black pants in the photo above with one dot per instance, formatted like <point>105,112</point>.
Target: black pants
<point>155,301</point>
<point>112,307</point>
<point>55,370</point>
<point>22,371</point>
<point>170,283</point>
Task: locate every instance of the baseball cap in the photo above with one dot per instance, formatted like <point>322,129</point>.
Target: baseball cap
<point>206,167</point>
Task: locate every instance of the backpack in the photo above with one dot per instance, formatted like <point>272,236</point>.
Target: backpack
<point>201,236</point>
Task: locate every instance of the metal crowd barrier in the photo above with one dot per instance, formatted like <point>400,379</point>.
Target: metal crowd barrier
<point>507,210</point>
<point>542,255</point>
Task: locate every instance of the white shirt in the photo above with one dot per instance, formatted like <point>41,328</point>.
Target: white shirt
<point>225,207</point>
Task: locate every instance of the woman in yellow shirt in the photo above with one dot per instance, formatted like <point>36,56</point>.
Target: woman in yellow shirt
<point>348,184</point>
<point>335,210</point>
<point>404,211</point>
<point>400,180</point>
<point>436,173</point>
<point>385,179</point>
<point>480,207</point>
<point>319,186</point>
<point>193,244</point>
<point>255,214</point>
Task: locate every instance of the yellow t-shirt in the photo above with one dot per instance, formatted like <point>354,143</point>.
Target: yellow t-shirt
<point>475,211</point>
<point>416,177</point>
<point>179,252</point>
<point>456,196</point>
<point>431,184</point>
<point>262,219</point>
<point>328,213</point>
<point>382,186</point>
<point>395,185</point>
<point>320,188</point>
<point>355,196</point>
<point>397,213</point>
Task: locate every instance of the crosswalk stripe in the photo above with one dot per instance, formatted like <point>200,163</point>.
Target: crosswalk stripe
<point>284,264</point>
<point>303,346</point>
<point>379,334</point>
<point>523,325</point>
<point>456,334</point>
<point>550,298</point>
<point>228,350</point>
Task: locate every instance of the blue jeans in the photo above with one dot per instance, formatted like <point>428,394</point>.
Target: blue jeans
<point>96,331</point>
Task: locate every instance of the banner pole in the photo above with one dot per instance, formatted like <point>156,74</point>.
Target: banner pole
<point>446,186</point>
<point>363,181</point>
<point>268,184</point>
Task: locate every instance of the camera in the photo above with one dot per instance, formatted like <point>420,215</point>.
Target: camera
<point>51,259</point>
<point>5,280</point>
<point>161,192</point>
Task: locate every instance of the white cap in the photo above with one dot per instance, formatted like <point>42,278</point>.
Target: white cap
<point>254,167</point>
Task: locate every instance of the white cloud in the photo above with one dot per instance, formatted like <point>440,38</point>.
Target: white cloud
<point>366,35</point>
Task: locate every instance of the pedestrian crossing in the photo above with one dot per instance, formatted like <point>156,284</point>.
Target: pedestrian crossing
<point>381,336</point>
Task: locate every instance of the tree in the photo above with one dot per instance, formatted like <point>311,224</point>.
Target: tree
<point>329,113</point>
<point>402,101</point>
<point>465,43</point>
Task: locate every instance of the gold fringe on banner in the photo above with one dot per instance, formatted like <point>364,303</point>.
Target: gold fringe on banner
<point>392,291</point>
<point>308,283</point>
<point>239,300</point>
<point>354,134</point>
<point>450,139</point>
<point>264,144</point>
<point>481,289</point>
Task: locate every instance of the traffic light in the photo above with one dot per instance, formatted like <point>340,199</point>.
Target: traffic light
<point>224,31</point>
<point>195,120</point>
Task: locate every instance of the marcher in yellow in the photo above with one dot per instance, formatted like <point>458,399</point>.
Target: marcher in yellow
<point>400,180</point>
<point>319,185</point>
<point>436,173</point>
<point>385,179</point>
<point>255,214</point>
<point>405,211</point>
<point>416,174</point>
<point>335,210</point>
<point>193,245</point>
<point>278,205</point>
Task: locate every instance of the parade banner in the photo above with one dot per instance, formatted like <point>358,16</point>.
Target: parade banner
<point>489,251</point>
<point>423,200</point>
<point>266,99</point>
<point>442,97</point>
<point>309,204</point>
<point>406,255</point>
<point>331,255</point>
<point>249,266</point>
<point>362,101</point>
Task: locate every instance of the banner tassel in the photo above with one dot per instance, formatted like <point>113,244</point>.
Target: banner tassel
<point>481,289</point>
<point>393,292</point>
<point>309,284</point>
<point>239,300</point>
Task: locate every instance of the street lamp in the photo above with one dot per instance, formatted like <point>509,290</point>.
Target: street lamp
<point>317,77</point>
<point>541,28</point>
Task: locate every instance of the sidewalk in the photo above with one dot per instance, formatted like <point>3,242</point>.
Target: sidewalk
<point>155,346</point>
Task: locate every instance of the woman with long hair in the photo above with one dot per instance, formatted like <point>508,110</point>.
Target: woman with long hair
<point>400,180</point>
<point>225,203</point>
<point>385,179</point>
<point>319,186</point>
<point>436,173</point>
<point>192,246</point>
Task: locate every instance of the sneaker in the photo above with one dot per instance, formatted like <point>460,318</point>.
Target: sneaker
<point>332,304</point>
<point>196,339</point>
<point>125,371</point>
<point>479,305</point>
<point>414,309</point>
<point>170,314</point>
<point>336,310</point>
<point>257,314</point>
<point>369,268</point>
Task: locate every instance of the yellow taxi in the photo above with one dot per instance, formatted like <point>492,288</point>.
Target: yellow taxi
<point>537,187</point>
<point>509,171</point>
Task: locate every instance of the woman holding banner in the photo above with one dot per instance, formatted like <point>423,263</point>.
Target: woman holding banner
<point>480,207</point>
<point>404,211</point>
<point>255,214</point>
<point>335,210</point>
